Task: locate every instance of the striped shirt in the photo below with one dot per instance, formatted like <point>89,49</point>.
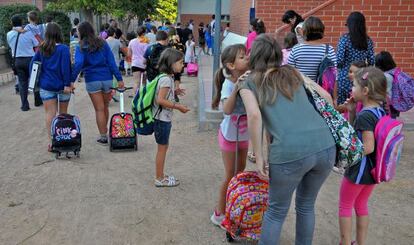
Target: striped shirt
<point>306,58</point>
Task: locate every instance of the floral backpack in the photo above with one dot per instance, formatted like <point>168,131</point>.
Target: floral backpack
<point>350,149</point>
<point>402,98</point>
<point>246,202</point>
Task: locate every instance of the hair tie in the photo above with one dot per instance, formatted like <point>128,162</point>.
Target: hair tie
<point>365,76</point>
<point>225,74</point>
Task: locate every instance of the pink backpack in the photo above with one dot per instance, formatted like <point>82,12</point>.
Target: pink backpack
<point>326,72</point>
<point>192,69</point>
<point>402,98</point>
<point>389,144</point>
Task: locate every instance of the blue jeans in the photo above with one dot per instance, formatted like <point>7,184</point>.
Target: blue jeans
<point>306,176</point>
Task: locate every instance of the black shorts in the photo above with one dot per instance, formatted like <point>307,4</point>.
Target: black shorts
<point>135,69</point>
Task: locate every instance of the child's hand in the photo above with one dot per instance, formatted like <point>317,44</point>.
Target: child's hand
<point>67,90</point>
<point>182,108</point>
<point>350,104</point>
<point>121,84</point>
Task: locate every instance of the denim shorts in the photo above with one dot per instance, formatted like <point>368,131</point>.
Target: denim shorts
<point>99,86</point>
<point>50,95</point>
<point>162,132</point>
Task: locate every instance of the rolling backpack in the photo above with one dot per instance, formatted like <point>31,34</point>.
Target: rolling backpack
<point>65,130</point>
<point>122,134</point>
<point>246,201</point>
<point>326,73</point>
<point>402,98</point>
<point>142,107</point>
<point>389,144</point>
<point>192,69</point>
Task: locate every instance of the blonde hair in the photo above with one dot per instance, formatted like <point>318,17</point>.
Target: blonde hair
<point>374,79</point>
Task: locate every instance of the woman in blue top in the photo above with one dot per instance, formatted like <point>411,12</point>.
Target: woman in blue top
<point>353,46</point>
<point>54,78</point>
<point>94,57</point>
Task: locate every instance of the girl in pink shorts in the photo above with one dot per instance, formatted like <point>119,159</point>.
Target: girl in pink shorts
<point>234,125</point>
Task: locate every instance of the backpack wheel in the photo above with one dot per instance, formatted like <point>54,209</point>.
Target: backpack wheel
<point>229,238</point>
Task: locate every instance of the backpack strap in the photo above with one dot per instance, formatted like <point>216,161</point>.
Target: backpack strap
<point>326,50</point>
<point>15,45</point>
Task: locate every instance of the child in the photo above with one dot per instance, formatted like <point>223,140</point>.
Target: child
<point>235,64</point>
<point>54,78</point>
<point>124,51</point>
<point>190,50</point>
<point>37,30</point>
<point>386,63</point>
<point>170,62</point>
<point>369,88</point>
<point>136,49</point>
<point>290,41</point>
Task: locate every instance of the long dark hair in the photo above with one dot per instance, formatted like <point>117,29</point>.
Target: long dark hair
<point>229,55</point>
<point>384,61</point>
<point>290,14</point>
<point>258,25</point>
<point>87,37</point>
<point>357,30</point>
<point>53,36</point>
<point>269,77</point>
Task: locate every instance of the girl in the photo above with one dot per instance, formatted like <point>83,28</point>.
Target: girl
<point>54,78</point>
<point>94,58</point>
<point>386,63</point>
<point>302,150</point>
<point>171,61</point>
<point>235,63</point>
<point>295,21</point>
<point>209,39</point>
<point>355,45</point>
<point>201,39</point>
<point>370,88</point>
<point>257,27</point>
<point>136,49</point>
<point>190,50</point>
<point>290,42</point>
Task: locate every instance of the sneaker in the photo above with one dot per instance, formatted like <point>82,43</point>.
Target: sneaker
<point>217,219</point>
<point>102,140</point>
<point>168,181</point>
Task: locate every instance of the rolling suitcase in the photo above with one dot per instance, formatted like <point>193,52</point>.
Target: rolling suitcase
<point>66,133</point>
<point>122,134</point>
<point>246,201</point>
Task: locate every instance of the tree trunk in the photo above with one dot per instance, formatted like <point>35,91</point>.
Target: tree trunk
<point>88,15</point>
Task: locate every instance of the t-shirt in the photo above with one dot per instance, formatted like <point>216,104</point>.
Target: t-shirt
<point>228,126</point>
<point>151,37</point>
<point>189,52</point>
<point>390,80</point>
<point>361,173</point>
<point>165,114</point>
<point>297,130</point>
<point>138,47</point>
<point>250,38</point>
<point>25,44</point>
<point>307,58</point>
<point>115,45</point>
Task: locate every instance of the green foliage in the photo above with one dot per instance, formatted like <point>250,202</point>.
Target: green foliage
<point>6,13</point>
<point>167,10</point>
<point>62,19</point>
<point>96,6</point>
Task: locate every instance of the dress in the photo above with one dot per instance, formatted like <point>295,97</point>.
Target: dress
<point>346,54</point>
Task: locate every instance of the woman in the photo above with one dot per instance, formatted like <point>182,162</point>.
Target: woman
<point>54,78</point>
<point>295,21</point>
<point>257,27</point>
<point>352,46</point>
<point>302,150</point>
<point>307,56</point>
<point>94,58</point>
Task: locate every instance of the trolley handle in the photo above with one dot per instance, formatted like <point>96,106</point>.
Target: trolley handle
<point>121,90</point>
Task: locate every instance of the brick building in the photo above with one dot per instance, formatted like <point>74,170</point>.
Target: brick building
<point>390,23</point>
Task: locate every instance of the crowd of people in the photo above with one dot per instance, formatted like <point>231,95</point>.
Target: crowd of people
<point>259,79</point>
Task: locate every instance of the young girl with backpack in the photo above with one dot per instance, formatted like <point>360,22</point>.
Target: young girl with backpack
<point>170,62</point>
<point>94,58</point>
<point>369,88</point>
<point>54,80</point>
<point>235,64</point>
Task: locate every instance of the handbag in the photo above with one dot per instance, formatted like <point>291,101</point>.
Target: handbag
<point>350,149</point>
<point>13,61</point>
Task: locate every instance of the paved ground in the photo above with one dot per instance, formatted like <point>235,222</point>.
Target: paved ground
<point>109,198</point>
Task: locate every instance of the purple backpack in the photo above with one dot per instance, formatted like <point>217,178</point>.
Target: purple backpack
<point>326,73</point>
<point>402,98</point>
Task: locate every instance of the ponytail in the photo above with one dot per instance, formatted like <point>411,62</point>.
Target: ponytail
<point>218,81</point>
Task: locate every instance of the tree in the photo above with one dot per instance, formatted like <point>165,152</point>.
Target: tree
<point>166,10</point>
<point>88,8</point>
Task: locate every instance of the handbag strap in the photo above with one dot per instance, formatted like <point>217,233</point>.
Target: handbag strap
<point>15,45</point>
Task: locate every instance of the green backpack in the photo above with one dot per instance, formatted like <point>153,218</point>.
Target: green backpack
<point>142,107</point>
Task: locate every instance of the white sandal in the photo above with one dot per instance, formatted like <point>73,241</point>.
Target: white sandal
<point>168,181</point>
